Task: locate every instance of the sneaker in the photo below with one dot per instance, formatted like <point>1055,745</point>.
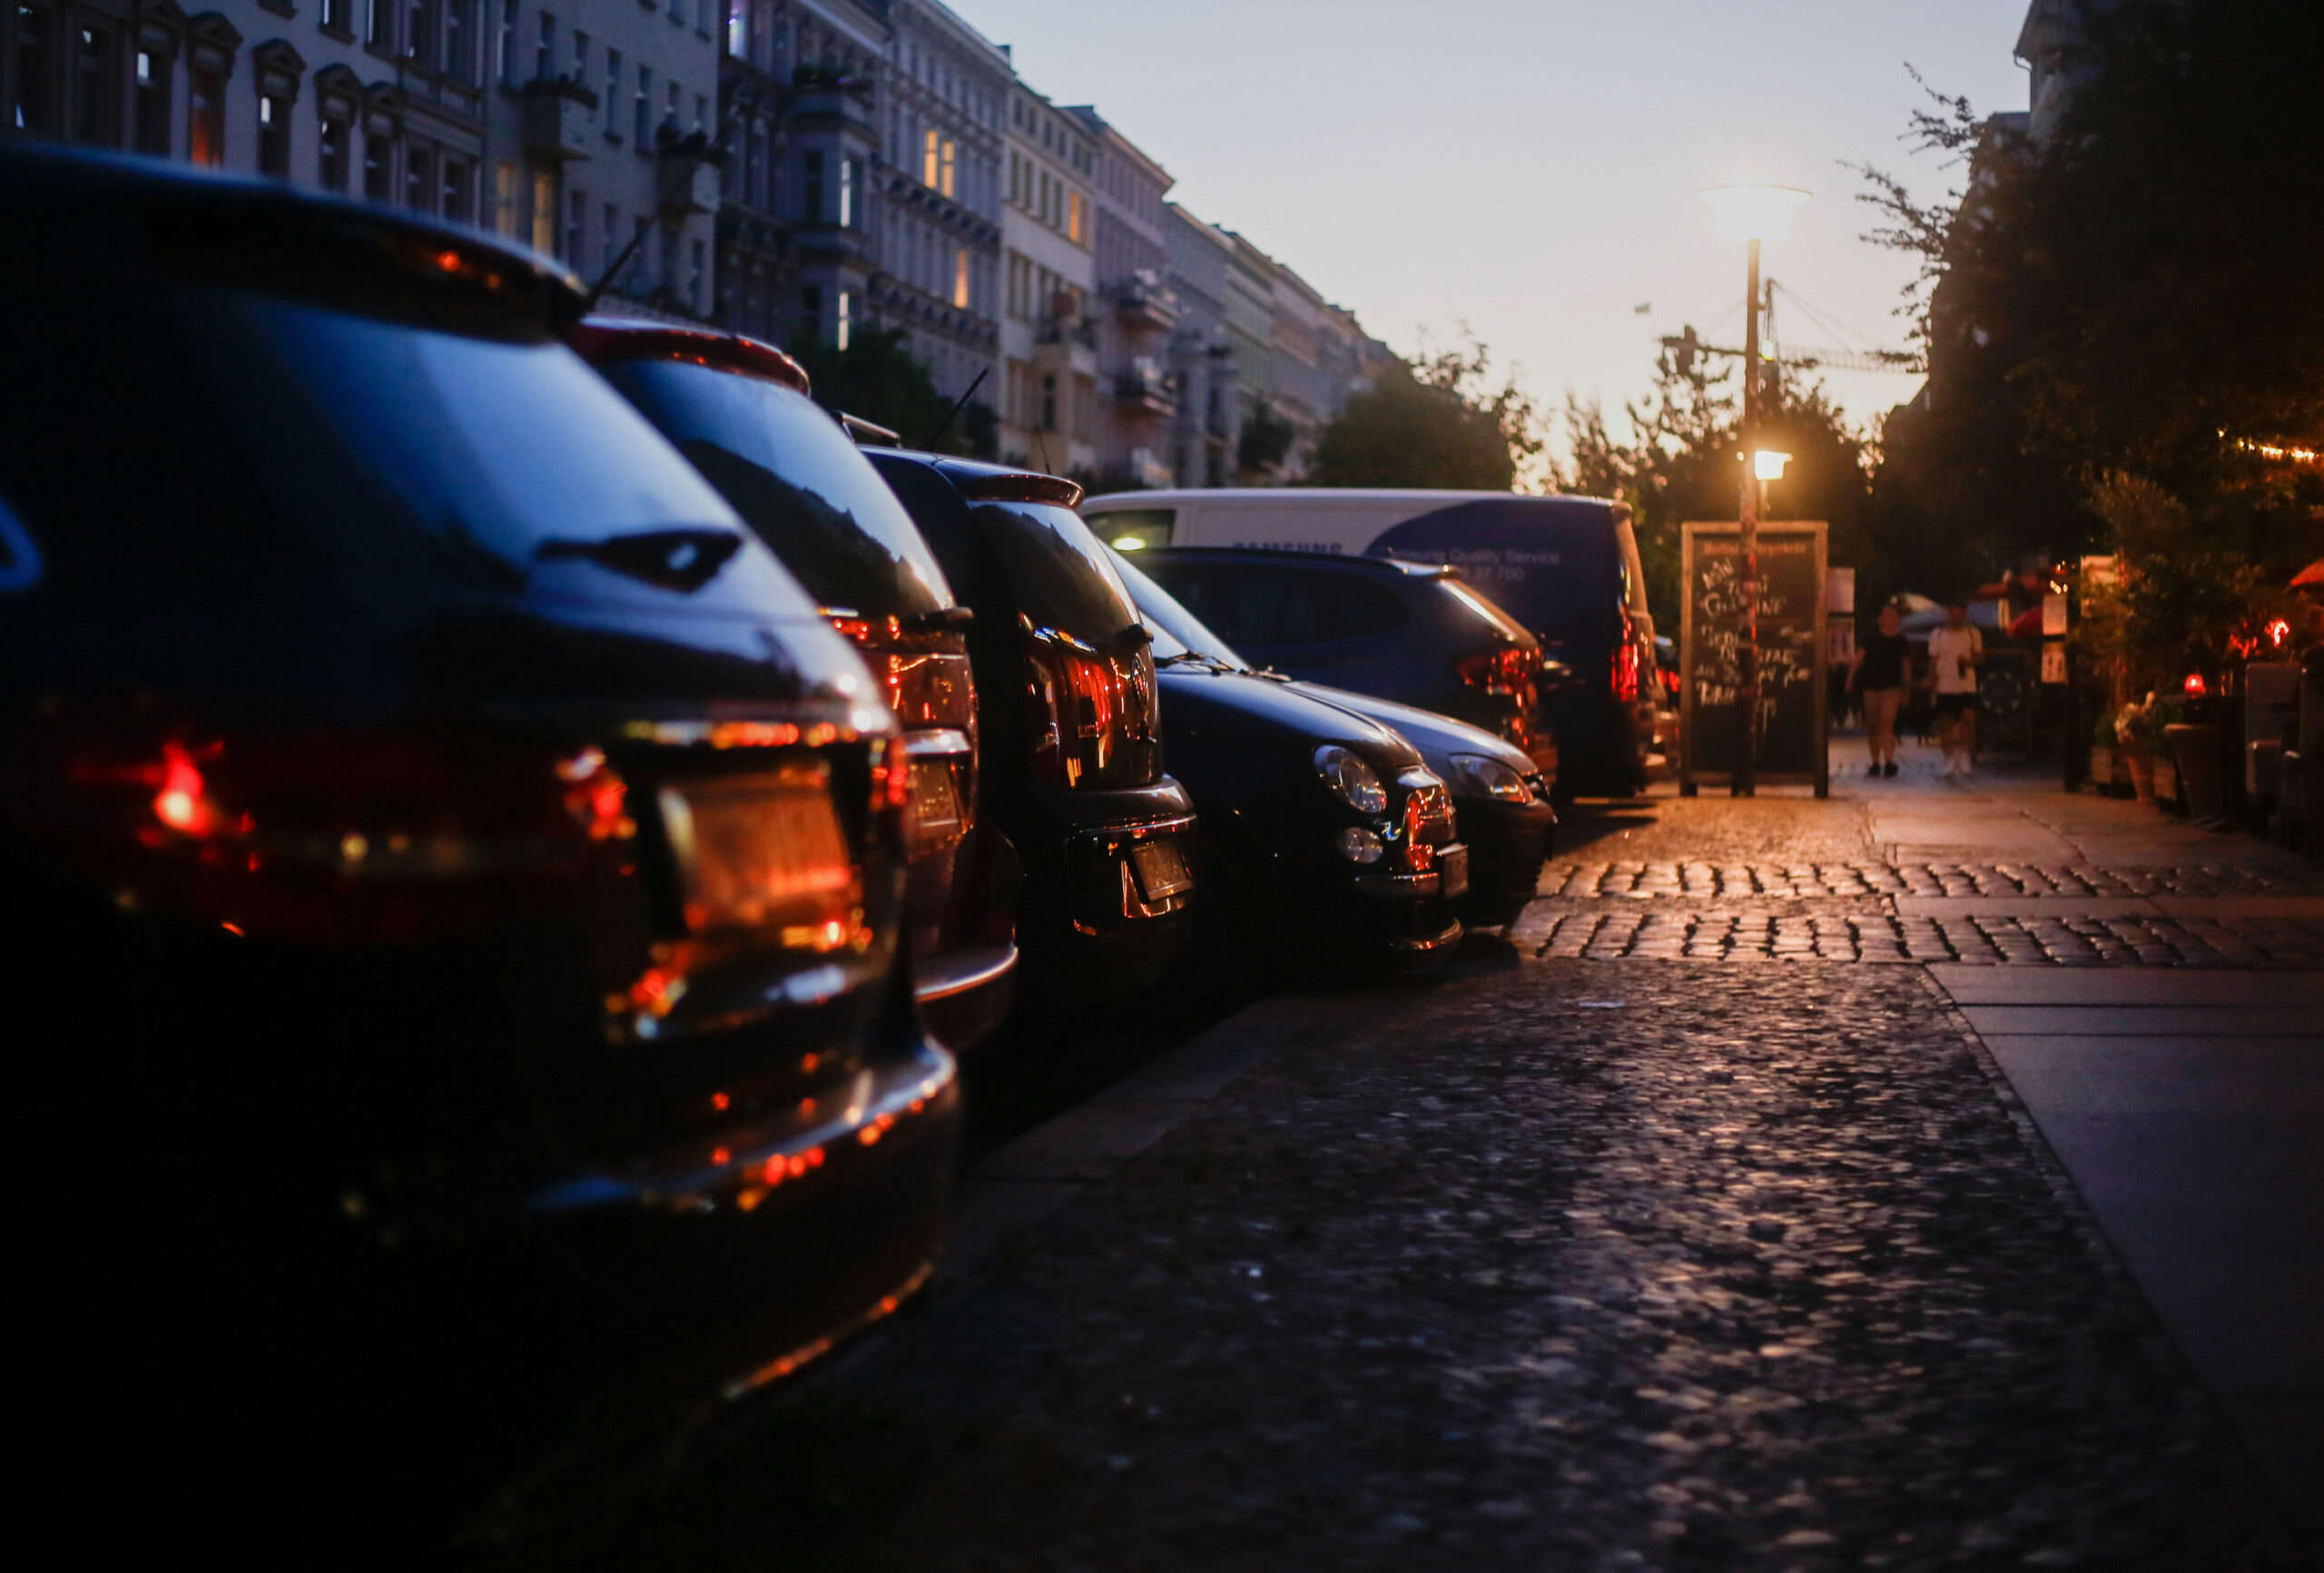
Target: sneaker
<point>1888,768</point>
<point>1967,769</point>
<point>1872,768</point>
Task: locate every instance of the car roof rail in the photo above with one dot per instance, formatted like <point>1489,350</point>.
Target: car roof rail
<point>868,433</point>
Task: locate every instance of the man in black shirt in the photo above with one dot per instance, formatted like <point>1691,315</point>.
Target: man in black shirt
<point>1878,675</point>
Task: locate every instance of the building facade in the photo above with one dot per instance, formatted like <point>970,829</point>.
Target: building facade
<point>1048,341</point>
<point>566,129</point>
<point>1137,313</point>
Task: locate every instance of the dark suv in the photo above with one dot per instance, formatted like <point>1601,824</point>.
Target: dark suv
<point>1411,632</point>
<point>1072,741</point>
<point>739,409</point>
<point>455,879</point>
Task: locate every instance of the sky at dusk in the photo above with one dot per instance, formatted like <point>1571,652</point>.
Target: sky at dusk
<point>1530,167</point>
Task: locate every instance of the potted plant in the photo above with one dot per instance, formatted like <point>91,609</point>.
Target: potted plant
<point>2138,734</point>
<point>2103,774</point>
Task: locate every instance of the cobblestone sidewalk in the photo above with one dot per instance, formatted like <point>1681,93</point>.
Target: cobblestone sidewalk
<point>2066,940</point>
<point>1576,1268</point>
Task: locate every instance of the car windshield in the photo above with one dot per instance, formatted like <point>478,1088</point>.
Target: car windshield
<point>189,427</point>
<point>1062,578</point>
<point>1177,631</point>
<point>797,480</point>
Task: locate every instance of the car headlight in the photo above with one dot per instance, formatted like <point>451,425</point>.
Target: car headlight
<point>1474,775</point>
<point>1356,782</point>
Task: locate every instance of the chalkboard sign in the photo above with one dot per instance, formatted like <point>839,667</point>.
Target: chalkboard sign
<point>1791,655</point>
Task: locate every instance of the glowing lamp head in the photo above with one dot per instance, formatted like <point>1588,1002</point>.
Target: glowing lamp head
<point>2194,687</point>
<point>1768,464</point>
<point>1753,212</point>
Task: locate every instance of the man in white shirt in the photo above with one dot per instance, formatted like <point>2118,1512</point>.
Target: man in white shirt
<point>1953,652</point>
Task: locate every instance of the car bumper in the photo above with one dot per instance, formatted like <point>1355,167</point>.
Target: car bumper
<point>1508,843</point>
<point>965,994</point>
<point>1094,925</point>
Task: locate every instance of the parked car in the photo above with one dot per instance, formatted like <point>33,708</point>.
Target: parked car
<point>740,410</point>
<point>1566,568</point>
<point>1415,633</point>
<point>455,879</point>
<point>1500,806</point>
<point>1072,741</point>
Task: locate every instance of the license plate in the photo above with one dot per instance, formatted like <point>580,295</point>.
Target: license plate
<point>761,851</point>
<point>1453,870</point>
<point>935,799</point>
<point>1162,868</point>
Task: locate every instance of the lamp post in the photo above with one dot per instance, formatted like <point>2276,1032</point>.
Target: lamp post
<point>1751,213</point>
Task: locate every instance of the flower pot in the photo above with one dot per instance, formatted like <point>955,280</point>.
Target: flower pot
<point>2203,783</point>
<point>2102,769</point>
<point>2142,768</point>
<point>2166,781</point>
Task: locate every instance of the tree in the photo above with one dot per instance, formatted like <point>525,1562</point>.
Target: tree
<point>2133,300</point>
<point>1266,441</point>
<point>1436,422</point>
<point>878,379</point>
<point>1686,463</point>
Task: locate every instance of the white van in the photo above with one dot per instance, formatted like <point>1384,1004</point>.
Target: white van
<point>1566,568</point>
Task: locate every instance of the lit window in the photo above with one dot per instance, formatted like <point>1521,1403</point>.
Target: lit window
<point>840,331</point>
<point>961,277</point>
<point>545,212</point>
<point>947,183</point>
<point>504,200</point>
<point>930,156</point>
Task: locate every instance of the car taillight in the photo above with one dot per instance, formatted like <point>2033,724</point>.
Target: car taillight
<point>335,836</point>
<point>1624,671</point>
<point>1512,674</point>
<point>1089,716</point>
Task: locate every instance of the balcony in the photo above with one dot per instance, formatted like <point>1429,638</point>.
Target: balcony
<point>688,183</point>
<point>560,116</point>
<point>1144,301</point>
<point>1141,388</point>
<point>822,100</point>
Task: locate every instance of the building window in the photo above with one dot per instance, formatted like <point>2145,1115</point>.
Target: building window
<point>576,225</point>
<point>379,160</point>
<point>812,194</point>
<point>613,93</point>
<point>961,277</point>
<point>419,31</point>
<point>459,40</point>
<point>930,158</point>
<point>846,193</point>
<point>697,273</point>
<point>418,180</point>
<point>504,64</point>
<point>643,130</point>
<point>379,23</point>
<point>96,87</point>
<point>458,199</point>
<point>152,103</point>
<point>545,49</point>
<point>738,31</point>
<point>580,57</point>
<point>841,321</point>
<point>545,212</point>
<point>945,169</point>
<point>274,136</point>
<point>334,16</point>
<point>504,200</point>
<point>205,124</point>
<point>1073,221</point>
<point>701,17</point>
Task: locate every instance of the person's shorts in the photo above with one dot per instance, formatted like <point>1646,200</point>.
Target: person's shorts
<point>1956,704</point>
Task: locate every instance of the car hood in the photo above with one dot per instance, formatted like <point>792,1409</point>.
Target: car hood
<point>1238,707</point>
<point>1437,737</point>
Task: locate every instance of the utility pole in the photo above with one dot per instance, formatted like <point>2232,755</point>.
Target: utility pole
<point>1746,779</point>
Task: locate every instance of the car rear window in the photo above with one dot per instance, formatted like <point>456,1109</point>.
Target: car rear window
<point>1177,631</point>
<point>185,424</point>
<point>1263,604</point>
<point>1061,577</point>
<point>797,480</point>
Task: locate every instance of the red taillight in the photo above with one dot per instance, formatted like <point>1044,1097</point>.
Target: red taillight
<point>1624,673</point>
<point>1512,674</point>
<point>1089,715</point>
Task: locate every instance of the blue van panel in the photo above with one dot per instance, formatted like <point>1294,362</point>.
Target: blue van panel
<point>1550,562</point>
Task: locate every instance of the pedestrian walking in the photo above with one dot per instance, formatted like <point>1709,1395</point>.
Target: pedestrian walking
<point>1877,676</point>
<point>1953,652</point>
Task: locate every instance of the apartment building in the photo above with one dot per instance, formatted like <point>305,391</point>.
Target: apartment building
<point>563,127</point>
<point>1048,341</point>
<point>1136,312</point>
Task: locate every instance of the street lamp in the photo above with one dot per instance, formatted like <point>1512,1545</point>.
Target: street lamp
<point>1751,213</point>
